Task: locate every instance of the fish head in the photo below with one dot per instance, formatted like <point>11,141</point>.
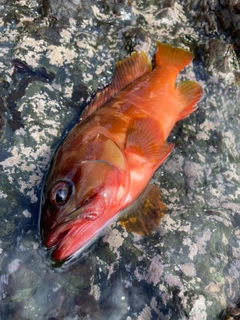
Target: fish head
<point>77,203</point>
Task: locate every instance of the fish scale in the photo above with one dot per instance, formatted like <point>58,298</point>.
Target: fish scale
<point>105,163</point>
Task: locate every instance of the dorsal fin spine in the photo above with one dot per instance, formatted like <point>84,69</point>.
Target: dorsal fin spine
<point>126,71</point>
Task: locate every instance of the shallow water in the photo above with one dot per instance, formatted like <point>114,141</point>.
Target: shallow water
<point>189,269</point>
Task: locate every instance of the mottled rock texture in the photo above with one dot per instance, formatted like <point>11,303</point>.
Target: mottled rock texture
<point>217,16</point>
<point>54,55</point>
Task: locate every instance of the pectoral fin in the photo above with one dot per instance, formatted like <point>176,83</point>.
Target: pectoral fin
<point>145,214</point>
<point>145,139</point>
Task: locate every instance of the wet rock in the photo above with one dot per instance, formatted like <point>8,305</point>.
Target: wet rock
<point>63,10</point>
<point>116,6</point>
<point>2,121</point>
<point>217,17</point>
<point>76,8</point>
<point>225,19</point>
<point>87,307</point>
<point>44,7</point>
<point>232,314</point>
<point>54,56</point>
<point>220,59</point>
<point>1,125</point>
<point>135,38</point>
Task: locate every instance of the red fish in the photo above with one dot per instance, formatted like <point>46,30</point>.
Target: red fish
<point>109,157</point>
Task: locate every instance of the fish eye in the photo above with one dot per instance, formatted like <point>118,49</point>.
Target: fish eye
<point>60,193</point>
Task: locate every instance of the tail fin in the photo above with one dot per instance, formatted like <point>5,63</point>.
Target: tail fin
<point>172,56</point>
<point>189,94</point>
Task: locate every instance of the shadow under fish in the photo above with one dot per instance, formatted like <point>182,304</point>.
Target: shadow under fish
<point>104,165</point>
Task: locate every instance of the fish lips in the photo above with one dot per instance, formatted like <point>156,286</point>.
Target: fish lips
<point>72,234</point>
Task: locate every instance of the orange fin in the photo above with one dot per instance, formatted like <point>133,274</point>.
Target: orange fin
<point>190,93</point>
<point>145,214</point>
<point>145,138</point>
<point>126,71</point>
<point>172,56</point>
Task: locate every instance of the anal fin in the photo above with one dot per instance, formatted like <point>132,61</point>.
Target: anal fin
<point>145,214</point>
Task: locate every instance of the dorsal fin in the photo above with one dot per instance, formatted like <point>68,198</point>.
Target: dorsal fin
<point>145,214</point>
<point>126,71</point>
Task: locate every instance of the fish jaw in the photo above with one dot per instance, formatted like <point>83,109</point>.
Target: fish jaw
<point>69,245</point>
<point>76,239</point>
<point>78,230</point>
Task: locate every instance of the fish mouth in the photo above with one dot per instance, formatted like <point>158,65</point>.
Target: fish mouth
<point>71,235</point>
<point>63,248</point>
<point>58,240</point>
<point>77,230</point>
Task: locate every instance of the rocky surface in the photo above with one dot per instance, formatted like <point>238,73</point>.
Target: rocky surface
<point>218,18</point>
<point>53,57</point>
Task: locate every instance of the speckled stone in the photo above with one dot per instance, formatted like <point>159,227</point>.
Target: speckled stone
<point>54,56</point>
<point>218,17</point>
